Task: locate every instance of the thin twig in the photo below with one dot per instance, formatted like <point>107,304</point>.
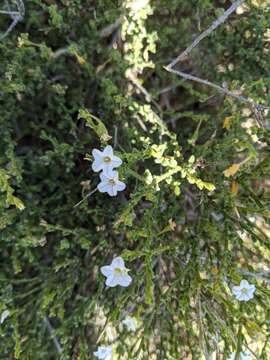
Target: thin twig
<point>207,32</point>
<point>10,13</point>
<point>86,197</point>
<point>260,276</point>
<point>202,36</point>
<point>143,90</point>
<point>116,144</point>
<point>115,136</point>
<point>219,88</point>
<point>21,7</point>
<point>54,338</point>
<point>10,28</point>
<point>108,30</point>
<point>59,52</point>
<point>16,16</point>
<point>252,352</point>
<point>167,89</point>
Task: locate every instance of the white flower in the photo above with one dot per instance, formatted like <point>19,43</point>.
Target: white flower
<point>4,315</point>
<point>136,5</point>
<point>130,323</point>
<point>242,356</point>
<point>245,291</point>
<point>116,273</point>
<point>110,183</point>
<point>105,160</point>
<point>103,352</point>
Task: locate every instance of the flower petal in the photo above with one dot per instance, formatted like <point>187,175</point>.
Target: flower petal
<point>103,187</point>
<point>97,165</point>
<point>113,175</point>
<point>240,297</point>
<point>130,323</point>
<point>111,281</point>
<point>103,352</point>
<point>97,154</point>
<point>236,290</point>
<point>106,270</point>
<point>246,297</point>
<point>124,280</point>
<point>103,177</point>
<point>118,262</point>
<point>116,161</point>
<point>111,190</point>
<point>120,186</point>
<point>108,151</point>
<point>244,283</point>
<point>107,170</point>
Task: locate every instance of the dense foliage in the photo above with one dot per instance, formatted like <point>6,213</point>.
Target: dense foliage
<point>194,219</point>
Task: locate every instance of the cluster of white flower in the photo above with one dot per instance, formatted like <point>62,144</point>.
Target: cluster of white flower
<point>106,161</point>
<point>116,274</point>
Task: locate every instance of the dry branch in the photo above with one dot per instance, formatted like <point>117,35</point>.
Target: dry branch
<point>202,36</point>
<point>108,30</point>
<point>206,33</point>
<point>16,16</point>
<point>220,89</point>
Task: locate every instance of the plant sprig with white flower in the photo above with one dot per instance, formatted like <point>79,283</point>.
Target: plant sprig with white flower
<point>105,160</point>
<point>110,183</point>
<point>245,291</point>
<point>103,352</point>
<point>116,273</point>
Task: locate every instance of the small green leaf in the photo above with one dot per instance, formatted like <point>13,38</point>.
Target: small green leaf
<point>95,124</point>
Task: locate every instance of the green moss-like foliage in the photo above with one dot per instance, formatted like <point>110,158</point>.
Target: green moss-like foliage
<point>188,233</point>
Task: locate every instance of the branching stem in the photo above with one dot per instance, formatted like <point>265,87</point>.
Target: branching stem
<point>195,43</point>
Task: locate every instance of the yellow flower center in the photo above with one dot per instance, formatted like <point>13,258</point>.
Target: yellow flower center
<point>107,159</point>
<point>118,271</point>
<point>111,182</point>
<point>244,291</point>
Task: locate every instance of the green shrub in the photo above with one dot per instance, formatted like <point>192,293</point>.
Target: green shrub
<point>194,218</point>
